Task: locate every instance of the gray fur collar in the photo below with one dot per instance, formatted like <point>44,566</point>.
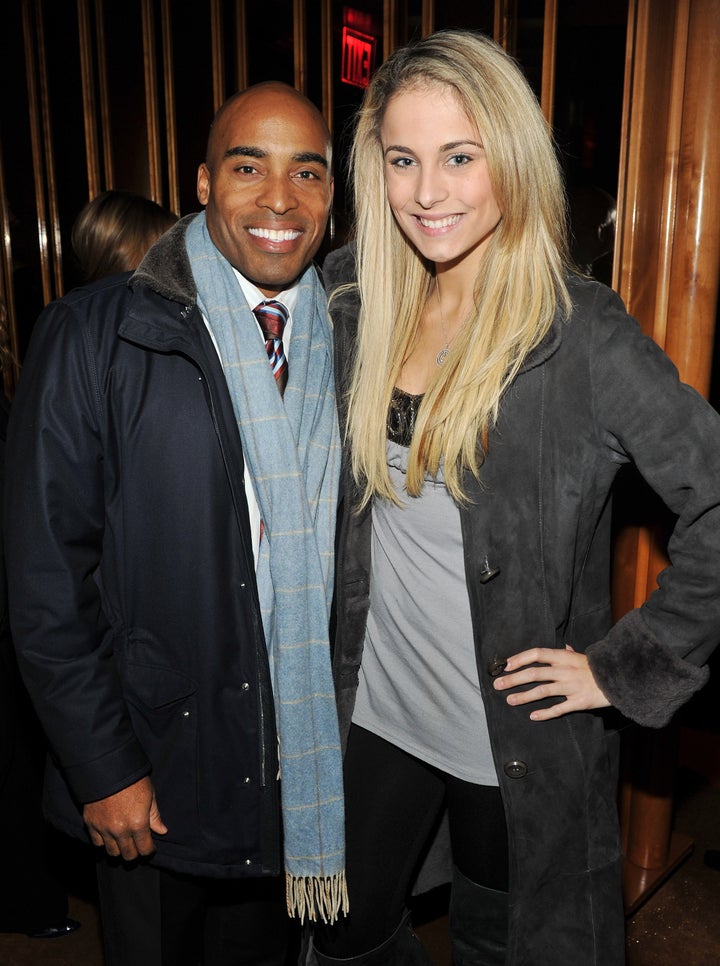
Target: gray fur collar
<point>166,267</point>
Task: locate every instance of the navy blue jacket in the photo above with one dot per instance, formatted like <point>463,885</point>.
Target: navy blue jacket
<point>132,587</point>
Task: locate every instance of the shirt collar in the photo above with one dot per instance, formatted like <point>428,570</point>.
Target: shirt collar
<point>254,296</point>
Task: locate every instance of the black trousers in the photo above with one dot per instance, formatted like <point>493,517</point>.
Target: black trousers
<point>152,917</point>
<point>31,897</point>
<point>392,805</point>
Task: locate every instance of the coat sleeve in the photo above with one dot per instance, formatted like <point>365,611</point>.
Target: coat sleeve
<point>339,267</point>
<point>654,658</point>
<point>54,519</point>
<point>344,305</point>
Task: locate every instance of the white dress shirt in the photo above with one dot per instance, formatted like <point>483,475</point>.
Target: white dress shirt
<point>253,297</point>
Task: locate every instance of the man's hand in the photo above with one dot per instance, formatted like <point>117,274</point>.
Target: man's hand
<point>563,673</point>
<point>122,822</point>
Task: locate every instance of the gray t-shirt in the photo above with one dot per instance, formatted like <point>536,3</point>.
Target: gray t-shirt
<point>419,681</point>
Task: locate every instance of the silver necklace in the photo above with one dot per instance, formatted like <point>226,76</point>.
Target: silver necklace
<point>445,351</point>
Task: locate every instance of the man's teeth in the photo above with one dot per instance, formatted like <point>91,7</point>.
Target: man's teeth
<point>272,234</point>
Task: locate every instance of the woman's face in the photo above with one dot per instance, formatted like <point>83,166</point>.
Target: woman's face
<point>436,176</point>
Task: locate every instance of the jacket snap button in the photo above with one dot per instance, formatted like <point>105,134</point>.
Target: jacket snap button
<point>515,768</point>
<point>496,667</point>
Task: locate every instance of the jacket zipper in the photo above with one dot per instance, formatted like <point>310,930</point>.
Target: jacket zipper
<point>185,312</point>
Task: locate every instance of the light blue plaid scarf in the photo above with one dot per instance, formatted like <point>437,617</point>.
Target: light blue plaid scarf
<point>293,453</point>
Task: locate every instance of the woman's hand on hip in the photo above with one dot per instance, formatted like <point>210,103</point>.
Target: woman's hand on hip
<point>555,673</point>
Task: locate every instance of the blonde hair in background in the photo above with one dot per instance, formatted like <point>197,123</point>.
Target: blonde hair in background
<point>114,230</point>
<point>519,287</point>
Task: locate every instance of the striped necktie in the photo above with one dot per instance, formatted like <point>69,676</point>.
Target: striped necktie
<point>272,317</point>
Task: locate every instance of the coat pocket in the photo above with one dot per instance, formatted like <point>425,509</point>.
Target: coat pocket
<point>164,712</point>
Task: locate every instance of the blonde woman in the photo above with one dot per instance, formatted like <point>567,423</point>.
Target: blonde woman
<point>489,396</point>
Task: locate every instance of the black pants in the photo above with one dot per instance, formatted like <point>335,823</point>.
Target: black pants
<point>392,804</point>
<point>152,917</point>
<point>31,897</point>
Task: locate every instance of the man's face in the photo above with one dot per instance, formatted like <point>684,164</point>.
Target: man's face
<point>266,185</point>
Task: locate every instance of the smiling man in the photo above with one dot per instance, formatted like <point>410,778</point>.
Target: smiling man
<point>174,460</point>
<point>266,184</point>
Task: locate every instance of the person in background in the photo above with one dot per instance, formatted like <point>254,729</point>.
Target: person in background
<point>113,231</point>
<point>170,537</point>
<point>593,220</point>
<point>32,899</point>
<point>489,395</point>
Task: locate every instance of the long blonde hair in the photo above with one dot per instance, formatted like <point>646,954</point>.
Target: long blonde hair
<point>518,289</point>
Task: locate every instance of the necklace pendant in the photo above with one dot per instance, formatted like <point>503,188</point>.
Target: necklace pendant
<point>442,355</point>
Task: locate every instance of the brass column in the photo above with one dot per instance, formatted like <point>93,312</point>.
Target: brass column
<point>666,268</point>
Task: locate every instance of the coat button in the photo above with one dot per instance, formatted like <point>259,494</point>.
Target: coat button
<point>515,768</point>
<point>487,573</point>
<point>496,667</point>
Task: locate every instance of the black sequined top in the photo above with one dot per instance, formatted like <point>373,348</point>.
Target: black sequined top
<point>401,417</point>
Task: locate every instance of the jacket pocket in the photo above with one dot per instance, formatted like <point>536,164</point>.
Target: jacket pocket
<point>164,712</point>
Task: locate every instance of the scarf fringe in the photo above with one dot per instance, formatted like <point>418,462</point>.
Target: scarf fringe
<point>317,897</point>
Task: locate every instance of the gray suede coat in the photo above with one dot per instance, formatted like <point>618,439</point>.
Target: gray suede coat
<point>593,396</point>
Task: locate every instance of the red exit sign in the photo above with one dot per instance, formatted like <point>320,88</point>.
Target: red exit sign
<point>358,54</point>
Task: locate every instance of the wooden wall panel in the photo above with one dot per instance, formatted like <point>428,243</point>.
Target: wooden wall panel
<point>151,100</point>
<point>667,266</point>
<point>668,252</point>
<point>87,65</point>
<point>132,93</point>
<point>667,255</point>
<point>695,263</point>
<point>300,46</point>
<point>121,96</point>
<point>649,162</point>
<point>241,40</point>
<point>103,97</point>
<point>547,97</point>
<point>218,53</point>
<point>327,62</point>
<point>390,37</point>
<point>42,148</point>
<point>7,291</point>
<point>173,191</point>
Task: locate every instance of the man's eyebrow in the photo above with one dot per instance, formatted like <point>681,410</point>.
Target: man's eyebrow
<point>302,157</point>
<point>245,151</point>
<point>311,157</point>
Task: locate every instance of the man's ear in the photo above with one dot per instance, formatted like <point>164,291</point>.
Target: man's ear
<point>203,184</point>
